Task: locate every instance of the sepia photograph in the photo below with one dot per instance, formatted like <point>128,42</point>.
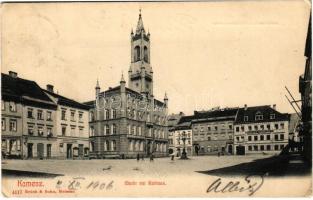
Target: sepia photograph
<point>156,99</point>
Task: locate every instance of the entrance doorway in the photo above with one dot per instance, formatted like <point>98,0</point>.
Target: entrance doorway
<point>240,150</point>
<point>40,150</point>
<point>29,150</point>
<point>69,152</point>
<point>230,149</point>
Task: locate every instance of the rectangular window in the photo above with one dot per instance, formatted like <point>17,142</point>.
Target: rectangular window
<point>242,128</point>
<point>261,137</point>
<point>49,116</point>
<point>30,130</point>
<point>80,117</point>
<point>237,128</point>
<point>255,137</point>
<point>63,115</point>
<point>268,147</point>
<point>209,128</point>
<point>256,127</point>
<point>13,125</point>
<point>250,148</point>
<point>276,147</point>
<point>276,137</point>
<point>262,147</point>
<point>63,130</point>
<point>39,115</point>
<point>72,115</point>
<point>268,127</point>
<point>3,124</point>
<point>246,118</point>
<point>30,113</point>
<point>40,131</point>
<point>282,137</point>
<point>209,138</point>
<point>282,126</point>
<point>255,148</point>
<point>250,128</point>
<point>238,139</point>
<point>276,126</point>
<point>262,127</point>
<point>230,127</point>
<point>49,132</point>
<point>215,128</point>
<point>12,106</point>
<point>268,137</point>
<point>249,138</point>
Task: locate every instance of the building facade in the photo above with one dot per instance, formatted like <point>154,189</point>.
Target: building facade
<point>28,120</point>
<point>127,121</point>
<point>260,129</point>
<point>213,131</point>
<point>180,137</point>
<point>305,89</point>
<point>72,127</point>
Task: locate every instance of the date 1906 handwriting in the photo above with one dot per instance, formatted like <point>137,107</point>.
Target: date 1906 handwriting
<point>251,184</point>
<point>80,183</point>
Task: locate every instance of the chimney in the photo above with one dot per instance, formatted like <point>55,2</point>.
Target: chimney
<point>13,74</point>
<point>274,106</point>
<point>246,107</point>
<point>50,88</point>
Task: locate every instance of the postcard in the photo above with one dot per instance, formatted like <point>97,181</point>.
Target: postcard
<point>156,99</point>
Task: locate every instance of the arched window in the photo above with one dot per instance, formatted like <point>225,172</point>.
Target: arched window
<point>107,114</point>
<point>107,130</point>
<point>145,53</point>
<point>137,53</point>
<point>113,129</point>
<point>107,145</point>
<point>113,145</point>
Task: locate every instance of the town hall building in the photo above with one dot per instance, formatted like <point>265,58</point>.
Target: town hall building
<point>128,121</point>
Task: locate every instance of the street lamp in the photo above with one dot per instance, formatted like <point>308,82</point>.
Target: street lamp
<point>184,154</point>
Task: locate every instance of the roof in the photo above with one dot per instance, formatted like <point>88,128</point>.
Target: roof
<point>173,119</point>
<point>22,90</point>
<point>215,115</point>
<point>184,122</point>
<point>68,102</point>
<point>266,111</point>
<point>158,103</point>
<point>91,104</point>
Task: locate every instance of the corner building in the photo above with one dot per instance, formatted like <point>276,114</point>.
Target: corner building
<point>127,121</point>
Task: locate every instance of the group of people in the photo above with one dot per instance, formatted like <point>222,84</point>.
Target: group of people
<point>143,157</point>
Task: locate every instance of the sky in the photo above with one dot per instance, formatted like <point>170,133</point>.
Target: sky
<point>203,55</point>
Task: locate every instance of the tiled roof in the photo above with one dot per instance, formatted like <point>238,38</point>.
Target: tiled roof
<point>266,111</point>
<point>26,91</point>
<point>184,122</point>
<point>91,104</point>
<point>68,102</point>
<point>215,115</point>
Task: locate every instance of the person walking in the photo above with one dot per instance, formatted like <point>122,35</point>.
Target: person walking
<point>138,158</point>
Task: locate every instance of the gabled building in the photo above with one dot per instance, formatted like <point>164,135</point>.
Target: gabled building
<point>127,121</point>
<point>72,126</point>
<point>213,131</point>
<point>28,119</point>
<point>260,129</point>
<point>180,137</point>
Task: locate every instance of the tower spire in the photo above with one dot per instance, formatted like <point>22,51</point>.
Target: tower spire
<point>122,78</point>
<point>140,24</point>
<point>97,85</point>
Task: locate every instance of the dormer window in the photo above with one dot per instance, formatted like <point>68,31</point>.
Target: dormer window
<point>258,116</point>
<point>272,116</point>
<point>245,118</point>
